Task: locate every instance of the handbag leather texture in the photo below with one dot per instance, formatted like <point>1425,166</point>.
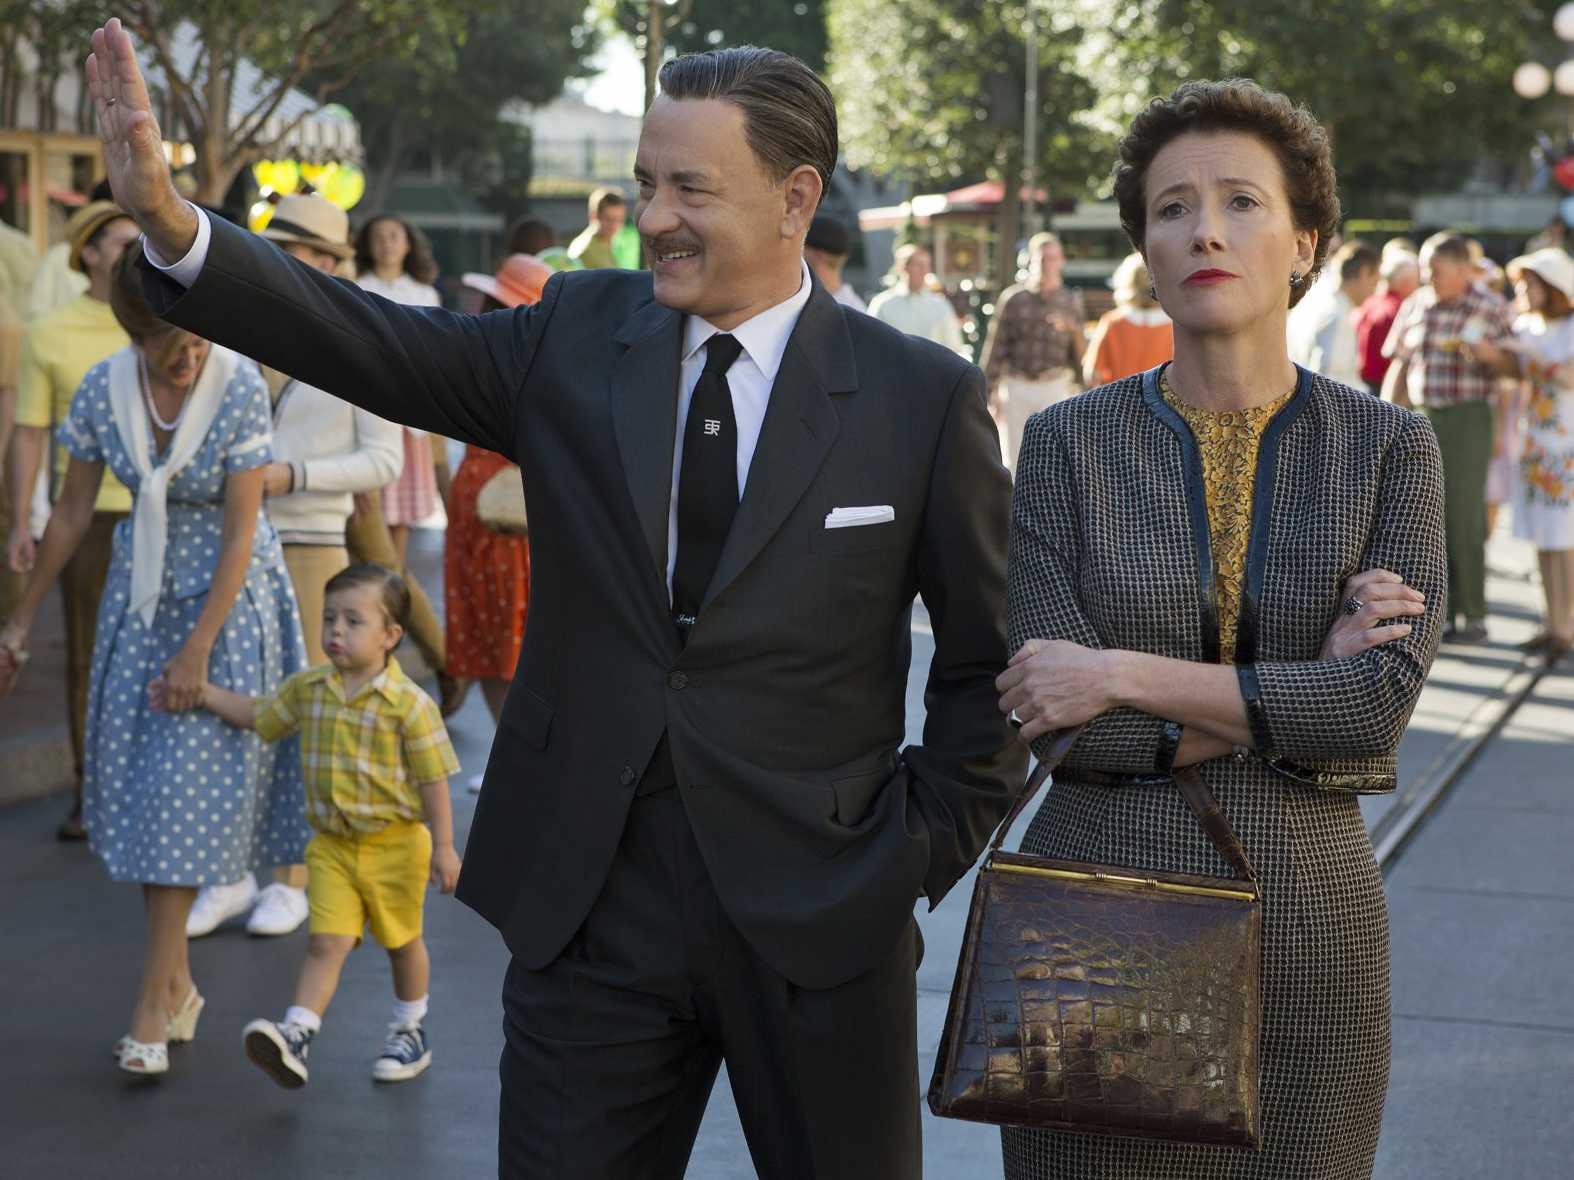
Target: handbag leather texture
<point>1108,999</point>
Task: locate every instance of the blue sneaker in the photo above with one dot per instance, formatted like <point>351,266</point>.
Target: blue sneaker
<point>279,1050</point>
<point>406,1054</point>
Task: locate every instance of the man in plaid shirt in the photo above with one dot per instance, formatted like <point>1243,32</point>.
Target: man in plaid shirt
<point>1436,371</point>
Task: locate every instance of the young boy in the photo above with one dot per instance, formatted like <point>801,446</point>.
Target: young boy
<point>376,759</point>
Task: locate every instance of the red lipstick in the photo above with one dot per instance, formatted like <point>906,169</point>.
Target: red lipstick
<point>1206,278</point>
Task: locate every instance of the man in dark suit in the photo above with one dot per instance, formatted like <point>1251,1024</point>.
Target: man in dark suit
<point>698,833</point>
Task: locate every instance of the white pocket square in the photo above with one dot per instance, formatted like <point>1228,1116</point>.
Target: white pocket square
<point>851,518</point>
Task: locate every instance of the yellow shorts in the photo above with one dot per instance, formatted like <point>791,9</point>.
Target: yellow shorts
<point>377,880</point>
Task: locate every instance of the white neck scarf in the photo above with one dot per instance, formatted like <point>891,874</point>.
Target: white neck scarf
<point>150,517</point>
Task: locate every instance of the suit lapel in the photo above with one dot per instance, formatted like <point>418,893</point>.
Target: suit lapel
<point>801,423</point>
<point>644,418</point>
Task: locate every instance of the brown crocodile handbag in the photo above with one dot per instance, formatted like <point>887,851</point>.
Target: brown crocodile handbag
<point>1107,999</point>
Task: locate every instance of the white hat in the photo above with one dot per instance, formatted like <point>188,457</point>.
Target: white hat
<point>1552,266</point>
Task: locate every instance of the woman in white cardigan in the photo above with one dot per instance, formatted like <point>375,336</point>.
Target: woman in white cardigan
<point>325,450</point>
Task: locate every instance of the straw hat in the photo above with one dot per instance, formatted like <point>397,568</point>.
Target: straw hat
<point>1552,266</point>
<point>309,220</point>
<point>86,222</point>
<point>519,280</point>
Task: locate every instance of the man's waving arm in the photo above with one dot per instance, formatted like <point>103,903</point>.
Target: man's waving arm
<point>456,375</point>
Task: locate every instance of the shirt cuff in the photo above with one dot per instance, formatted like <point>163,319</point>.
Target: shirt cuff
<point>185,271</point>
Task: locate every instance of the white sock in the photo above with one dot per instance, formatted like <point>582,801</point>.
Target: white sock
<point>409,1012</point>
<point>304,1017</point>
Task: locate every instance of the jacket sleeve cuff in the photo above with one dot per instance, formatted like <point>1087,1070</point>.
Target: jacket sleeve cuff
<point>1256,713</point>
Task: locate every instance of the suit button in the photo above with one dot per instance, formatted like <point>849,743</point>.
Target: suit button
<point>628,777</point>
<point>678,680</point>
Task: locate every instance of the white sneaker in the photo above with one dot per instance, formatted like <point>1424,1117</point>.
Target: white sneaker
<point>217,904</point>
<point>280,909</point>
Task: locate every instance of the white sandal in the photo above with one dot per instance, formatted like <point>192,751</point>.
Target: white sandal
<point>144,1059</point>
<point>182,1027</point>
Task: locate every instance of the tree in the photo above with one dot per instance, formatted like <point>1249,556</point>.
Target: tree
<point>934,89</point>
<point>289,41</point>
<point>56,32</point>
<point>1415,97</point>
<point>451,96</point>
<point>793,26</point>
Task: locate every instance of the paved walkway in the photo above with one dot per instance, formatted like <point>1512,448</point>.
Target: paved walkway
<point>1463,1085</point>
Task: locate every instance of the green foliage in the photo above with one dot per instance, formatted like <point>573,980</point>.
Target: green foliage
<point>1414,96</point>
<point>793,26</point>
<point>447,98</point>
<point>314,45</point>
<point>934,89</point>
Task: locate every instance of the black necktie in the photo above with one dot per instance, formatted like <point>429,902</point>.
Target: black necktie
<point>707,482</point>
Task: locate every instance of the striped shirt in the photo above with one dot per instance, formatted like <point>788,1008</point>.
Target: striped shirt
<point>364,759</point>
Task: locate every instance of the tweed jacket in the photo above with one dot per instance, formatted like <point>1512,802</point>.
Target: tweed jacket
<point>1110,549</point>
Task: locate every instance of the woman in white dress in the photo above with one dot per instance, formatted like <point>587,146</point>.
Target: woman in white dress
<point>393,259</point>
<point>1542,351</point>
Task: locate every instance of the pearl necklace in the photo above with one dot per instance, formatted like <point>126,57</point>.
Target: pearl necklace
<point>147,398</point>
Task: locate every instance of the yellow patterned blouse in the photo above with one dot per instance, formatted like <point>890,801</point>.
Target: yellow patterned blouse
<point>1228,440</point>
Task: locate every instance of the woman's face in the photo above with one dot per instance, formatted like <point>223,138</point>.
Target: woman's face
<point>1221,241</point>
<point>175,360</point>
<point>1530,293</point>
<point>390,245</point>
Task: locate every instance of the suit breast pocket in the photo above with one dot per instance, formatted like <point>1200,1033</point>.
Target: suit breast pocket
<point>863,538</point>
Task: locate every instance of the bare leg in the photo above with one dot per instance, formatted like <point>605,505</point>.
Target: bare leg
<point>292,875</point>
<point>401,540</point>
<point>1557,576</point>
<point>494,691</point>
<point>319,978</point>
<point>412,969</point>
<point>1492,513</point>
<point>166,971</point>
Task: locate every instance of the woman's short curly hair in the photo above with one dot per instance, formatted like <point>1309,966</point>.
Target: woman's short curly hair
<point>1236,104</point>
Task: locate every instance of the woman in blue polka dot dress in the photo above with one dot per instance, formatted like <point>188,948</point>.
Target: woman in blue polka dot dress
<point>197,593</point>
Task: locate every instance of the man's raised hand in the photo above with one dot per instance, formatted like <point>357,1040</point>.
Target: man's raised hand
<point>133,146</point>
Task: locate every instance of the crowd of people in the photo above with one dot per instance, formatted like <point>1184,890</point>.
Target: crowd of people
<point>211,522</point>
<point>232,541</point>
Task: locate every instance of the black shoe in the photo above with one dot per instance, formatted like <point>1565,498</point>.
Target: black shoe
<point>1472,634</point>
<point>279,1050</point>
<point>71,830</point>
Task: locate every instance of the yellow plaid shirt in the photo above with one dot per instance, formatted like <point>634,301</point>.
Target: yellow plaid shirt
<point>364,760</point>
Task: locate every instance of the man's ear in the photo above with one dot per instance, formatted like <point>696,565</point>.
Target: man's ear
<point>804,190</point>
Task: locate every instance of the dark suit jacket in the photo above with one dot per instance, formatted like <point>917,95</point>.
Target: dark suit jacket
<point>785,711</point>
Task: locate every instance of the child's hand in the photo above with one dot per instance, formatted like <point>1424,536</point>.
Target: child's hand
<point>445,867</point>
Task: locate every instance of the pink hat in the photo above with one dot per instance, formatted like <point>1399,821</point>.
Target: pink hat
<point>519,280</point>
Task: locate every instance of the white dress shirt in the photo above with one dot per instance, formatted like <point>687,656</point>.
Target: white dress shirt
<point>764,340</point>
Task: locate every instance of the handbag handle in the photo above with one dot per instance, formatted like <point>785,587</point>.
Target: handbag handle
<point>1215,824</point>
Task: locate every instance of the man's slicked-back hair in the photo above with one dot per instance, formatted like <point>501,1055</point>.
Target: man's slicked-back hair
<point>789,115</point>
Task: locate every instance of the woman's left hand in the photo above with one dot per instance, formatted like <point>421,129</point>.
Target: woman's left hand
<point>1054,684</point>
<point>184,679</point>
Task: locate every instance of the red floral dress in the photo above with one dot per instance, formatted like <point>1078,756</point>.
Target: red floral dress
<point>486,577</point>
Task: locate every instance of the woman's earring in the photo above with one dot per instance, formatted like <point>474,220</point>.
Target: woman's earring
<point>1153,293</point>
<point>1295,278</point>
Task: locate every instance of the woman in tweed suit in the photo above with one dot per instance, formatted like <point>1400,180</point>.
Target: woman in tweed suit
<point>1233,562</point>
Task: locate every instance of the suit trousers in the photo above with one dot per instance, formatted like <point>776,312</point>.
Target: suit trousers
<point>1464,438</point>
<point>612,1049</point>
